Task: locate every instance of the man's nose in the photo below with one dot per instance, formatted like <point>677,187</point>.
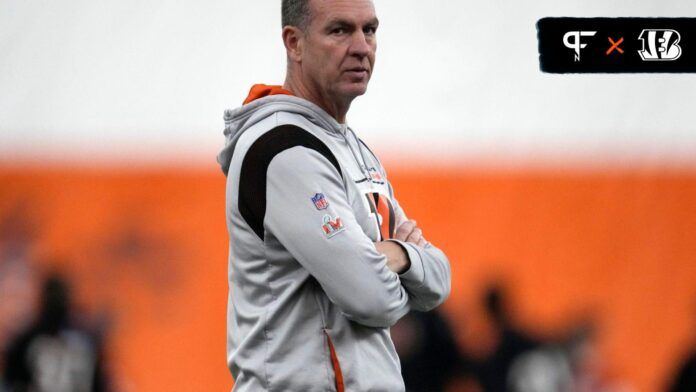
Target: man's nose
<point>359,45</point>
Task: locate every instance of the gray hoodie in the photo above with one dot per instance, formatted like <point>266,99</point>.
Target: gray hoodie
<point>310,298</point>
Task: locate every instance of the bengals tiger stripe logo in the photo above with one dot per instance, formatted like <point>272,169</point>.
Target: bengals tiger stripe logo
<point>381,206</point>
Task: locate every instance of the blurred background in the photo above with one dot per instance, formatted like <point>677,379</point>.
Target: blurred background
<point>566,203</point>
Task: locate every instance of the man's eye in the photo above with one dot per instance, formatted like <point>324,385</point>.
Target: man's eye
<point>338,31</point>
<point>370,30</point>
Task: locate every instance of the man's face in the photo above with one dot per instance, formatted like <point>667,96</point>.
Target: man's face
<point>339,47</point>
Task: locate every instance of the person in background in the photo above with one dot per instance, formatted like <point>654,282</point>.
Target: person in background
<point>512,342</point>
<point>54,354</point>
<point>427,348</point>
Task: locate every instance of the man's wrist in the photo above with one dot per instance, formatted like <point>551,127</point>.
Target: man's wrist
<point>397,256</point>
<point>415,272</point>
<point>404,259</point>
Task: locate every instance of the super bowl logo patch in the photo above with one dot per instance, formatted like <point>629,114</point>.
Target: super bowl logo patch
<point>320,201</point>
<point>332,226</point>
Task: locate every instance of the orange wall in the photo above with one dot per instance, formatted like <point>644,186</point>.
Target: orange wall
<point>151,247</point>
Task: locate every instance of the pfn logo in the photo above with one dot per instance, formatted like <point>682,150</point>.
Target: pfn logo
<point>575,44</point>
<point>662,45</point>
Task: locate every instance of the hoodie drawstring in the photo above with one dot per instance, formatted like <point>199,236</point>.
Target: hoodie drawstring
<point>363,168</point>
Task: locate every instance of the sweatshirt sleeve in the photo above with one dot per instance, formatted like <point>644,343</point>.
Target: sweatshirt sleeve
<point>428,280</point>
<point>307,210</point>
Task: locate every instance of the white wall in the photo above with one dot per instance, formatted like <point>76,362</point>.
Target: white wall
<point>148,80</point>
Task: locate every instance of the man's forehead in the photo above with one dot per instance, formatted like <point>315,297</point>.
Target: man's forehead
<point>359,11</point>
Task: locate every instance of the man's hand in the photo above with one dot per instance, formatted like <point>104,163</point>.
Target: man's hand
<point>409,232</point>
<point>397,259</point>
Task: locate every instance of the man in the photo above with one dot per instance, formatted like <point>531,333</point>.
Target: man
<point>322,258</point>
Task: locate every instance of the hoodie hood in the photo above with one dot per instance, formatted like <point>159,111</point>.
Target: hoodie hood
<point>262,102</point>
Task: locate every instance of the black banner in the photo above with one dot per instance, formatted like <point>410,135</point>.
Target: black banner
<point>617,45</point>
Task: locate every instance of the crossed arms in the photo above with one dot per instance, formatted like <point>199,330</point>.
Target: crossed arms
<point>373,284</point>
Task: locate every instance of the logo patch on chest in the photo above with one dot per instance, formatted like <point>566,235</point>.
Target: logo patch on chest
<point>375,176</point>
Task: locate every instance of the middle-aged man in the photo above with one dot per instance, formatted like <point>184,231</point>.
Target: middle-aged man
<point>323,260</point>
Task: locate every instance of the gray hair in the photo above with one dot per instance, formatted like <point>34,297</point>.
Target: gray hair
<point>296,13</point>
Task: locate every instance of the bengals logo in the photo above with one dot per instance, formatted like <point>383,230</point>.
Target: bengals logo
<point>660,45</point>
<point>382,208</point>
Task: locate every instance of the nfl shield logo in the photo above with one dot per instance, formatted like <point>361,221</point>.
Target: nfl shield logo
<point>320,201</point>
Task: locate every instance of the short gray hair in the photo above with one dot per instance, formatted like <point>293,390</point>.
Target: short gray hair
<point>296,13</point>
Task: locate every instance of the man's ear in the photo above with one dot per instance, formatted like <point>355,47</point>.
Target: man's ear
<point>293,38</point>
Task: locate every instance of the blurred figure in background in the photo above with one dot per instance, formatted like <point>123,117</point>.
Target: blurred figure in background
<point>684,378</point>
<point>572,363</point>
<point>511,342</point>
<point>587,364</point>
<point>545,369</point>
<point>54,354</point>
<point>430,359</point>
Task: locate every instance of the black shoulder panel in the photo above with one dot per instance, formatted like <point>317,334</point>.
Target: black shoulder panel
<point>252,179</point>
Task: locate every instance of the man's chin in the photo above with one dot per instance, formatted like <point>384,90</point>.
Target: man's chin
<point>355,89</point>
